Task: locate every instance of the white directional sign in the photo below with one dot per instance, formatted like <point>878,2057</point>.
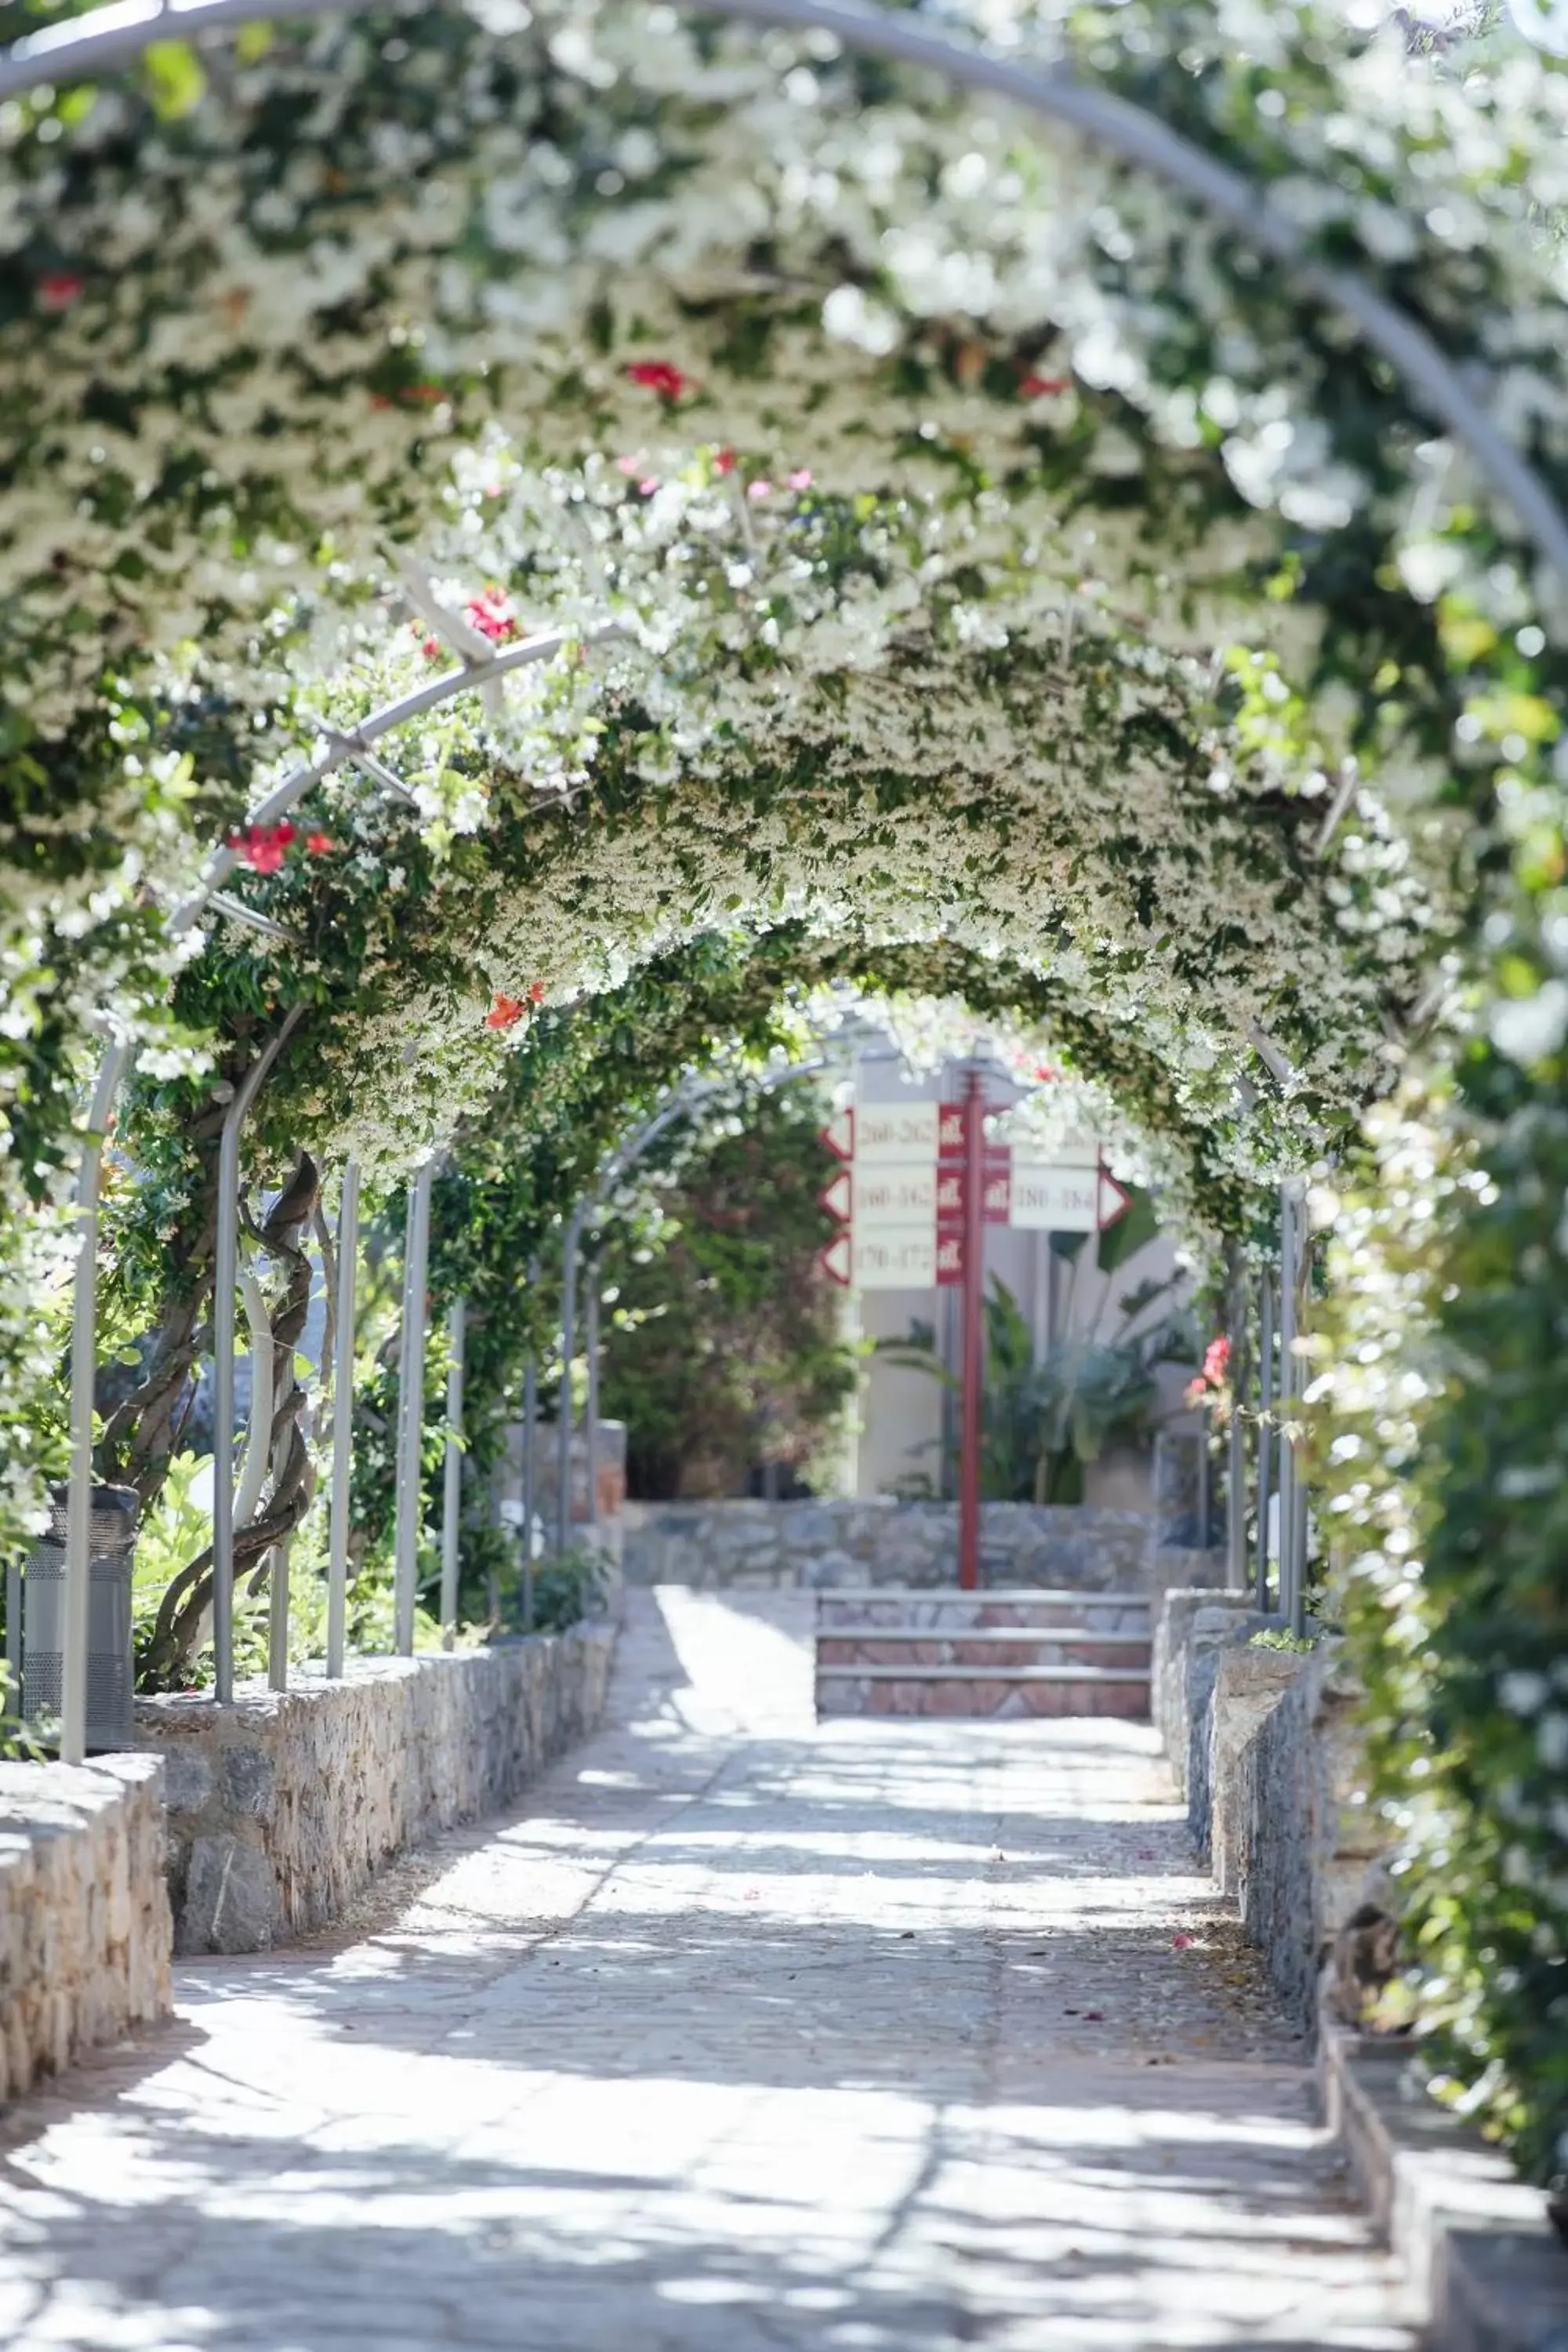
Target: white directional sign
<point>1054,1200</point>
<point>894,1257</point>
<point>894,1131</point>
<point>895,1192</point>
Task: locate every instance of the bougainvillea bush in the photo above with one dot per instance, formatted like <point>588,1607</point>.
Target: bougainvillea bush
<point>1010,557</point>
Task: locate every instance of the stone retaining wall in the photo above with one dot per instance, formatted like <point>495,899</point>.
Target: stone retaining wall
<point>84,1913</point>
<point>844,1540</point>
<point>282,1808</point>
<point>1264,1746</point>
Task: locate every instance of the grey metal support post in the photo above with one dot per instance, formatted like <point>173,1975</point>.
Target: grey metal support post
<point>1236,1456</point>
<point>411,1410</point>
<point>1298,1392</point>
<point>1265,1426</point>
<point>591,1342</point>
<point>1290,1252</point>
<point>343,1419</point>
<point>84,1375</point>
<point>277,1617</point>
<point>568,1350</point>
<point>530,1480</point>
<point>11,1699</point>
<point>452,1491</point>
<point>226,1277</point>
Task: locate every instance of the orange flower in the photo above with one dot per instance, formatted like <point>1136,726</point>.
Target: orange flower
<point>504,1011</point>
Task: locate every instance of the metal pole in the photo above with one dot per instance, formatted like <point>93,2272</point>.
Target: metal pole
<point>1289,1245</point>
<point>568,1350</point>
<point>11,1700</point>
<point>1265,1426</point>
<point>1236,1450</point>
<point>529,1481</point>
<point>591,1342</point>
<point>226,1278</point>
<point>1202,1497</point>
<point>452,1495</point>
<point>343,1419</point>
<point>973,1330</point>
<point>277,1618</point>
<point>1297,1388</point>
<point>84,1375</point>
<point>411,1410</point>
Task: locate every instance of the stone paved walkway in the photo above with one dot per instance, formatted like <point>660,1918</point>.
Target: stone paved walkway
<point>739,2037</point>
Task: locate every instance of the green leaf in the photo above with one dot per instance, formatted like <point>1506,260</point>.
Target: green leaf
<point>175,77</point>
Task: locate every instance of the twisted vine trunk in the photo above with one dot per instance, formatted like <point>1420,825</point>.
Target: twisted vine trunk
<point>290,1484</point>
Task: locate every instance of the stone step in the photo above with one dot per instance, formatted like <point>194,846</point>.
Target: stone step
<point>950,1597</point>
<point>984,1647</point>
<point>981,1693</point>
<point>1111,1613</point>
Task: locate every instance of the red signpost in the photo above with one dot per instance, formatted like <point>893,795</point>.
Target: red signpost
<point>974,1187</point>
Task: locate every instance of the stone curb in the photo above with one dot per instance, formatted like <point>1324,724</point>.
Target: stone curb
<point>1487,2269</point>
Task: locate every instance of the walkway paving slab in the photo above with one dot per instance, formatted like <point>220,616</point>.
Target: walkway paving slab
<point>741,2035</point>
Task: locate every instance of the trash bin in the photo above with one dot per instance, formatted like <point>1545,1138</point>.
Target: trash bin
<point>111,1545</point>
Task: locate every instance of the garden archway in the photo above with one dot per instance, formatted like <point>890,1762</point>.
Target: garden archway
<point>1226,468</point>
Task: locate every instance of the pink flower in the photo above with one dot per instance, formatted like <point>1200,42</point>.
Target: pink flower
<point>1196,1393</point>
<point>59,289</point>
<point>430,647</point>
<point>1217,1362</point>
<point>1038,387</point>
<point>320,844</point>
<point>647,486</point>
<point>802,480</point>
<point>759,489</point>
<point>488,614</point>
<point>627,466</point>
<point>660,377</point>
<point>1047,1073</point>
<point>1181,1943</point>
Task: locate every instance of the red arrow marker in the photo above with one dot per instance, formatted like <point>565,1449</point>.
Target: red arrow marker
<point>840,1135</point>
<point>835,1260</point>
<point>838,1196</point>
<point>1119,1204</point>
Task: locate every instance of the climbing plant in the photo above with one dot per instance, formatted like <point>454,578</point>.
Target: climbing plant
<point>1106,547</point>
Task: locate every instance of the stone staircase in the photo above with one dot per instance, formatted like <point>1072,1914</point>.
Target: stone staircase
<point>884,1651</point>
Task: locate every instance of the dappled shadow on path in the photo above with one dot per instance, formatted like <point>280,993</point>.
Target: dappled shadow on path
<point>738,2036</point>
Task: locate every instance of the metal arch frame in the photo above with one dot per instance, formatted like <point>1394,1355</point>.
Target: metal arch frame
<point>338,750</point>
<point>226,1274</point>
<point>112,36</point>
<point>685,1095</point>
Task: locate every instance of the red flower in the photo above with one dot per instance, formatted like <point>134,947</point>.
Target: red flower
<point>263,847</point>
<point>724,459</point>
<point>504,1011</point>
<point>801,480</point>
<point>59,289</point>
<point>536,994</point>
<point>430,647</point>
<point>1047,1073</point>
<point>1037,387</point>
<point>319,844</point>
<point>488,614</point>
<point>660,377</point>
